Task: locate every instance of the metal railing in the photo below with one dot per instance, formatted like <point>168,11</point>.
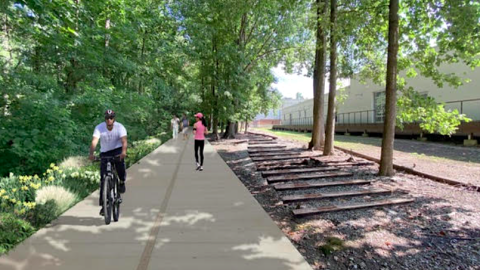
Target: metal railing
<point>469,106</point>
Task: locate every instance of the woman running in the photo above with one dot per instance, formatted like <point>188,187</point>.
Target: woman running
<point>199,130</point>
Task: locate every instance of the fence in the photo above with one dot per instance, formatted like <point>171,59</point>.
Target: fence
<point>471,107</point>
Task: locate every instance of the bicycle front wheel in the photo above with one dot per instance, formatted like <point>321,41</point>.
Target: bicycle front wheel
<point>116,203</point>
<point>107,199</point>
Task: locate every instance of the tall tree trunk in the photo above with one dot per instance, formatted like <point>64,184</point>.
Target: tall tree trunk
<point>214,96</point>
<point>230,131</point>
<point>386,159</point>
<point>142,53</point>
<point>319,81</point>
<point>330,133</point>
<point>246,125</point>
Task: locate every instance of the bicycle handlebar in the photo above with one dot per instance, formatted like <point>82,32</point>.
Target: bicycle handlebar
<point>114,158</point>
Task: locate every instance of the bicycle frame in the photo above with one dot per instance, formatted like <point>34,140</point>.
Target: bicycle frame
<point>110,195</point>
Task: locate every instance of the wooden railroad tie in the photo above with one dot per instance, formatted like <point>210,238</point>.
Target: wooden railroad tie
<point>291,186</point>
<point>259,159</point>
<point>274,154</point>
<point>333,195</point>
<point>285,178</point>
<point>332,208</point>
<point>269,150</point>
<point>254,143</point>
<point>266,146</point>
<point>301,170</point>
<point>280,166</point>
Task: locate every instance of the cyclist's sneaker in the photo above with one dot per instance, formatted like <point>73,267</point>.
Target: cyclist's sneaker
<point>101,212</point>
<point>198,166</point>
<point>201,168</point>
<point>121,187</point>
<point>119,200</point>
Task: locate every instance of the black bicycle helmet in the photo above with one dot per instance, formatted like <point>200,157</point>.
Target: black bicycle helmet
<point>109,113</point>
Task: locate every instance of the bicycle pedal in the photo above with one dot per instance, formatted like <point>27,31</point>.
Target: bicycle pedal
<point>119,200</point>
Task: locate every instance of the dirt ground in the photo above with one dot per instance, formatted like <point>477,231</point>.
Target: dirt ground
<point>458,163</point>
<point>440,230</point>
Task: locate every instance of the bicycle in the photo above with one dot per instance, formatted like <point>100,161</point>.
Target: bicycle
<point>111,196</point>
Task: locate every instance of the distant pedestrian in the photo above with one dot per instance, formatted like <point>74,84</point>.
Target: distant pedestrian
<point>185,125</point>
<point>174,124</point>
<point>199,131</point>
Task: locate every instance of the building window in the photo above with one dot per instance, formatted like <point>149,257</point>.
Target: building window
<point>379,106</point>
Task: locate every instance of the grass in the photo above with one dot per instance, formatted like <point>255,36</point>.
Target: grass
<point>360,144</point>
<point>306,137</point>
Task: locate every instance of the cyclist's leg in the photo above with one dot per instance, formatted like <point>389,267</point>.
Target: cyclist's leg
<point>122,174</point>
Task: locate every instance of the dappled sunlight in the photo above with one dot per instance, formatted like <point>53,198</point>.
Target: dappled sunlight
<point>237,204</point>
<point>166,149</point>
<point>190,218</point>
<point>270,248</point>
<point>58,244</point>
<point>267,247</point>
<point>152,162</point>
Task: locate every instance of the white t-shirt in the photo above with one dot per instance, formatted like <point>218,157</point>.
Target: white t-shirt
<point>174,123</point>
<point>109,140</point>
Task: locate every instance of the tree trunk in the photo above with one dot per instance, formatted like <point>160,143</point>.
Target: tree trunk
<point>319,81</point>
<point>246,125</point>
<point>330,133</point>
<point>231,130</point>
<point>214,97</point>
<point>386,159</point>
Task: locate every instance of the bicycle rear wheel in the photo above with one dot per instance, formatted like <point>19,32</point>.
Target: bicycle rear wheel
<point>116,204</point>
<point>107,199</point>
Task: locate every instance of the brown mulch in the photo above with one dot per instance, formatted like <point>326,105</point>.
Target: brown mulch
<point>440,230</point>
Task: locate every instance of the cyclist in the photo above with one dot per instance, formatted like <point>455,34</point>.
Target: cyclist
<point>199,130</point>
<point>113,142</point>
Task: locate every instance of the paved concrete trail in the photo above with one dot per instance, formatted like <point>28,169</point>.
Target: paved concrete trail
<point>172,217</point>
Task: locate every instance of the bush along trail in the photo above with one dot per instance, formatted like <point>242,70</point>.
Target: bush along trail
<point>29,202</point>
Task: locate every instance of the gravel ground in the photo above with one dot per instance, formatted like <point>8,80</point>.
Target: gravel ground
<point>440,230</point>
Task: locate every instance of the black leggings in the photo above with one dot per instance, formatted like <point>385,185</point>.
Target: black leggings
<point>199,144</point>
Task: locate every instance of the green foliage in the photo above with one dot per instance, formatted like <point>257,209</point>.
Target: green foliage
<point>414,107</point>
<point>43,214</point>
<point>13,230</point>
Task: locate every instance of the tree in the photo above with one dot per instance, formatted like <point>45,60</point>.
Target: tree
<point>330,131</point>
<point>318,131</point>
<point>386,160</point>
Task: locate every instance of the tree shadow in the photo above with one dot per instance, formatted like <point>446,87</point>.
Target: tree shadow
<point>434,232</point>
<point>438,150</point>
<point>220,230</point>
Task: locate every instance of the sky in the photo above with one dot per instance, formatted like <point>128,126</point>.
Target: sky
<point>291,84</point>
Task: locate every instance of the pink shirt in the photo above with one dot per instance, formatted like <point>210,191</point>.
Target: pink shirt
<point>200,132</point>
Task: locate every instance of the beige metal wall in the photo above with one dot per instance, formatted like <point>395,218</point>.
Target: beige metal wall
<point>359,105</point>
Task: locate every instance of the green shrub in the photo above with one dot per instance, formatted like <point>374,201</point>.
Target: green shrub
<point>13,230</point>
<point>62,197</point>
<point>42,214</point>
